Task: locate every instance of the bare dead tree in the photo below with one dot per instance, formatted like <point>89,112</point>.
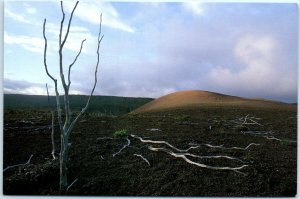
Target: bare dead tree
<point>67,127</point>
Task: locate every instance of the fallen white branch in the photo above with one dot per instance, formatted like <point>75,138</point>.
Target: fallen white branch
<point>163,142</point>
<point>226,148</point>
<point>126,145</point>
<point>107,138</point>
<point>17,165</point>
<point>212,157</point>
<point>258,132</point>
<point>138,155</point>
<point>183,156</point>
<point>246,121</point>
<point>153,129</point>
<point>71,184</point>
<point>280,140</point>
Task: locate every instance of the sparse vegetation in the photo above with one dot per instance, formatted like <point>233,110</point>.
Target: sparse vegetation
<point>120,133</point>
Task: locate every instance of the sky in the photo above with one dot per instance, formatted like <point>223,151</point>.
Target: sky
<point>156,48</point>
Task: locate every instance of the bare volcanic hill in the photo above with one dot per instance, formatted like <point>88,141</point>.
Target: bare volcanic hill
<point>197,98</point>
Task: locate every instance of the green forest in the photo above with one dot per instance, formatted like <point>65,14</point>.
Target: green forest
<point>107,105</point>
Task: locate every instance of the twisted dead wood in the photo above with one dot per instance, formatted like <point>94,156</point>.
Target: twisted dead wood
<point>163,142</point>
<point>226,148</point>
<point>17,165</point>
<point>145,159</point>
<point>183,156</point>
<point>280,140</point>
<point>124,146</point>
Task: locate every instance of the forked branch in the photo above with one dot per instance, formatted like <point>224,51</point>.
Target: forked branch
<point>100,37</point>
<point>53,79</point>
<point>70,66</point>
<point>183,156</point>
<point>145,159</point>
<point>124,146</point>
<point>17,165</point>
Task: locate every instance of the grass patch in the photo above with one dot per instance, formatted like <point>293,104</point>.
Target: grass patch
<point>120,133</point>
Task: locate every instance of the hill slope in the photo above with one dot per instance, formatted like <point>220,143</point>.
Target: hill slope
<point>197,98</point>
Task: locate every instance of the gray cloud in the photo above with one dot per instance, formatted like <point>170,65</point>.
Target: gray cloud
<point>241,51</point>
<point>246,50</point>
<point>24,87</point>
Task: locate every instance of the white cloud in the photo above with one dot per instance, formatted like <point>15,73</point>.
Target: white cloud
<point>90,12</point>
<point>16,17</point>
<point>33,44</point>
<point>76,35</point>
<point>29,9</point>
<point>37,44</point>
<point>196,7</point>
<point>261,68</point>
<point>23,87</point>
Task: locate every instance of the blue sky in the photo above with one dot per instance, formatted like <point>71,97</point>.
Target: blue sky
<point>152,49</point>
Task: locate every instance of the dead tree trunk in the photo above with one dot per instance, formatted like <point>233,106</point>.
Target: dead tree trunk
<point>68,125</point>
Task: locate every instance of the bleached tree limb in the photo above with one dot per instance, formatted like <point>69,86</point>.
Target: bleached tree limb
<point>52,127</point>
<point>153,129</point>
<point>192,147</point>
<point>245,121</point>
<point>17,165</point>
<point>107,138</point>
<point>255,122</point>
<point>124,146</point>
<point>145,159</point>
<point>53,79</point>
<point>183,156</point>
<point>280,140</point>
<point>258,132</point>
<point>226,148</point>
<point>163,142</point>
<point>70,66</point>
<point>71,184</point>
<point>95,83</point>
<point>212,157</point>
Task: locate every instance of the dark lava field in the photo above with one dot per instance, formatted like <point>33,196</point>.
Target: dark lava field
<point>207,151</point>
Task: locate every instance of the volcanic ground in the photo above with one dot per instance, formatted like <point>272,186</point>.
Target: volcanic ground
<point>189,143</point>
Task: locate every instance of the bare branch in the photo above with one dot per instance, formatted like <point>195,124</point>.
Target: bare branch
<point>95,83</point>
<point>280,140</point>
<point>183,156</point>
<point>17,165</point>
<point>62,22</point>
<point>69,24</point>
<point>70,66</point>
<point>51,77</point>
<point>226,148</point>
<point>257,132</point>
<point>52,126</point>
<point>45,53</point>
<point>145,159</point>
<point>126,145</point>
<point>164,142</point>
<point>71,184</point>
<point>153,129</point>
<point>61,45</point>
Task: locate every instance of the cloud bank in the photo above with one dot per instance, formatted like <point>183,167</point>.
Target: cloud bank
<point>149,50</point>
